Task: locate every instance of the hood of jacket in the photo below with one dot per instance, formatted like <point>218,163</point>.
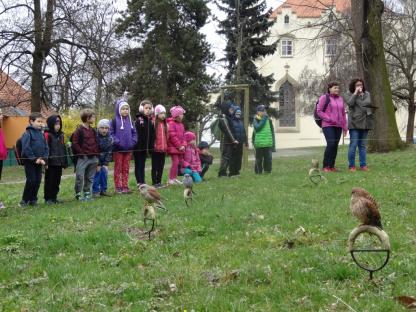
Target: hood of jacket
<point>51,121</point>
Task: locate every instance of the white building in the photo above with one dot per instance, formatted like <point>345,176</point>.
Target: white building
<point>295,28</point>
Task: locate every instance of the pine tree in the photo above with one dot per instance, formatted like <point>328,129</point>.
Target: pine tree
<point>169,64</point>
<point>255,25</point>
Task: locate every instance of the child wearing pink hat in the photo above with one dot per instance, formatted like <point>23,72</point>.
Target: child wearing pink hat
<point>191,163</point>
<point>176,142</point>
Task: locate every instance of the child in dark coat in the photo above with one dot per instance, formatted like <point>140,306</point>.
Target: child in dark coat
<point>105,145</point>
<point>205,157</point>
<point>35,153</point>
<point>240,135</point>
<point>57,158</point>
<point>145,139</point>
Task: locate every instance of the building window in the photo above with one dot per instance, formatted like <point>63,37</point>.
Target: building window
<point>286,19</point>
<point>330,47</point>
<point>287,47</point>
<point>287,112</point>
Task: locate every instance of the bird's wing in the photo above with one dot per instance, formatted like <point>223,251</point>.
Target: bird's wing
<point>371,204</point>
<point>154,193</point>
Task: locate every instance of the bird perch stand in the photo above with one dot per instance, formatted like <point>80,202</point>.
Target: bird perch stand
<point>384,247</point>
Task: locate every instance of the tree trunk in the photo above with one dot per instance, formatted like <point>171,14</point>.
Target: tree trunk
<point>37,78</point>
<point>366,18</point>
<point>410,121</point>
<point>43,34</point>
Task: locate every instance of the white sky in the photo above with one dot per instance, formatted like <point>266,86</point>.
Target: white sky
<point>210,30</point>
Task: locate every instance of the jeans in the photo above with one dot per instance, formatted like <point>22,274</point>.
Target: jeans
<point>263,160</point>
<point>195,175</point>
<point>332,137</point>
<point>33,178</point>
<point>84,174</point>
<point>100,181</point>
<point>358,137</point>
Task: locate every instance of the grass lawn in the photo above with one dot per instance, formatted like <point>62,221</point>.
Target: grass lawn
<point>238,248</point>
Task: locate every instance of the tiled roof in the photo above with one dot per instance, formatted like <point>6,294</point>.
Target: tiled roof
<point>15,100</point>
<point>312,8</point>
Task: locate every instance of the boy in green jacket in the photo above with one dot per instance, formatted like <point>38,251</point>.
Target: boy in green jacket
<point>263,140</point>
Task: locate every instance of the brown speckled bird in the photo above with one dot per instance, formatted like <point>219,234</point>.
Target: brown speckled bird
<point>151,195</point>
<point>364,207</point>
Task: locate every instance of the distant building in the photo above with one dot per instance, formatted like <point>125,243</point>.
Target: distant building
<point>15,105</point>
<point>295,31</point>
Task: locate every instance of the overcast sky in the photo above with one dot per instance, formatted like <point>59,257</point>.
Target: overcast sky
<point>210,30</point>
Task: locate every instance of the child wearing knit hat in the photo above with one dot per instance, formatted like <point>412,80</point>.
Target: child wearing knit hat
<point>191,164</point>
<point>124,138</point>
<point>105,144</point>
<point>176,142</point>
<point>161,145</point>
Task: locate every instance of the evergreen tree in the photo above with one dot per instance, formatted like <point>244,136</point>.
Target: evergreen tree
<point>254,27</point>
<point>169,64</point>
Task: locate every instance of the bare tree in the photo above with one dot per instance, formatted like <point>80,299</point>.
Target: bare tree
<point>70,40</point>
<point>371,62</point>
<point>400,46</point>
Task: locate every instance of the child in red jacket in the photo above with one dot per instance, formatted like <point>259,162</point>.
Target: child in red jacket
<point>161,145</point>
<point>176,142</point>
<point>191,163</point>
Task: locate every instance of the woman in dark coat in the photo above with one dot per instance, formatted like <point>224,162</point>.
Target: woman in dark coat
<point>360,121</point>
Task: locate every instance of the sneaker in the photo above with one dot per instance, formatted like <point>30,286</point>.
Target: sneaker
<point>105,194</point>
<point>33,203</point>
<point>50,202</point>
<point>157,185</point>
<point>327,169</point>
<point>87,196</point>
<point>352,169</point>
<point>78,196</point>
<point>22,204</point>
<point>178,182</point>
<point>57,201</point>
<point>2,206</point>
<point>334,169</point>
<point>119,191</point>
<point>126,191</point>
<point>172,182</point>
<point>364,168</point>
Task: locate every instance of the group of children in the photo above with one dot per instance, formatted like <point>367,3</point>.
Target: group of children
<point>234,137</point>
<point>151,135</point>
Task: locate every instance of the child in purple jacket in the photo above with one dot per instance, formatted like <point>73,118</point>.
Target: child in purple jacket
<point>124,137</point>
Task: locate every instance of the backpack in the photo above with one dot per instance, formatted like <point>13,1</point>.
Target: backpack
<point>215,129</point>
<point>18,151</point>
<point>318,119</point>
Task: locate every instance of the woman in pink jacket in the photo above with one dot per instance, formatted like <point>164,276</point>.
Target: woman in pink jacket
<point>334,123</point>
<point>176,142</point>
<point>3,150</point>
<point>191,163</point>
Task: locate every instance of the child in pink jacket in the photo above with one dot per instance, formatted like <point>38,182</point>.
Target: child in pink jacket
<point>191,163</point>
<point>176,142</point>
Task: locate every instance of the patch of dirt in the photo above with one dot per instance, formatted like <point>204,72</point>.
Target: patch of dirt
<point>142,234</point>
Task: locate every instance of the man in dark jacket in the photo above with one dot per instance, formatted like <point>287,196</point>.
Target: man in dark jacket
<point>57,158</point>
<point>227,141</point>
<point>35,153</point>
<point>105,144</point>
<point>240,135</point>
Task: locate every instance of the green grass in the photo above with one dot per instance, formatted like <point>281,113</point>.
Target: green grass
<point>228,252</point>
